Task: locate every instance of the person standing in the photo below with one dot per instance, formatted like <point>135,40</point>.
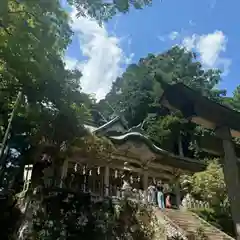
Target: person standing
<point>126,189</point>
<point>151,194</point>
<point>160,198</point>
<point>168,201</point>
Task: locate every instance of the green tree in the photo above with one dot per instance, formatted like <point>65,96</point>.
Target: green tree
<point>33,38</point>
<point>103,10</point>
<point>138,91</point>
<point>234,101</point>
<point>236,98</point>
<point>209,186</point>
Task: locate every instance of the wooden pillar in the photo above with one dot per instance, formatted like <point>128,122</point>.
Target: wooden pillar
<point>86,178</point>
<point>180,147</point>
<point>27,176</point>
<point>98,183</point>
<point>101,171</point>
<point>90,179</point>
<point>145,185</point>
<point>64,172</point>
<point>106,181</point>
<point>94,176</point>
<point>178,193</point>
<point>84,170</point>
<point>231,175</point>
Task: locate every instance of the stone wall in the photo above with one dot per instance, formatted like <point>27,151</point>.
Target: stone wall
<point>67,215</point>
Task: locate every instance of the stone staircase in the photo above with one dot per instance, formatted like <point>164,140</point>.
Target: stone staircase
<point>189,224</point>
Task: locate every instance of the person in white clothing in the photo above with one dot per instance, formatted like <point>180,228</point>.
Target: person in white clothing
<point>152,194</point>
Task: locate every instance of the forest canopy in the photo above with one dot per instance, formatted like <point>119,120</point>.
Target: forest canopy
<point>137,92</point>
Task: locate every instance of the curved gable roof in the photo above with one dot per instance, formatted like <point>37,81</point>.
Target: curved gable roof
<point>170,159</point>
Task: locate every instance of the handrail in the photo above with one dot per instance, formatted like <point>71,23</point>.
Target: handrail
<point>197,204</point>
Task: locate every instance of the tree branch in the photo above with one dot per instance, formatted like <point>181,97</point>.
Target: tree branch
<point>5,28</point>
<point>33,15</point>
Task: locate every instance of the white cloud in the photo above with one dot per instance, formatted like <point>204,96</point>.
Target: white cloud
<point>71,63</point>
<point>173,35</point>
<point>189,42</point>
<point>103,53</point>
<point>128,60</point>
<point>210,47</point>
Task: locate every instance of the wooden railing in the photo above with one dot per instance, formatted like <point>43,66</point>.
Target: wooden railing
<point>197,204</point>
<point>189,203</point>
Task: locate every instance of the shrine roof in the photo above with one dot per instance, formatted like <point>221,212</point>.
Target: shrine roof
<point>107,125</point>
<point>110,123</point>
<point>136,134</point>
<point>200,109</point>
<point>166,158</point>
<point>90,128</point>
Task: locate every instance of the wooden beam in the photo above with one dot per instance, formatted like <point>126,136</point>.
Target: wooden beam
<point>153,172</point>
<point>232,176</point>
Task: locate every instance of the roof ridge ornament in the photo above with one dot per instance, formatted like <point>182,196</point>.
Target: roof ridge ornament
<point>118,113</point>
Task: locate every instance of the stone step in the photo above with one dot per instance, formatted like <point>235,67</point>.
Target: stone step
<point>190,223</point>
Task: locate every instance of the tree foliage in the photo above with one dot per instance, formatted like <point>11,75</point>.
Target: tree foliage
<point>209,186</point>
<point>103,10</point>
<point>138,91</point>
<point>33,38</point>
<point>68,215</point>
<point>92,147</point>
<point>234,101</point>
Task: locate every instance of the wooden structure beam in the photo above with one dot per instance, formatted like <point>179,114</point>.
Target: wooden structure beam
<point>224,121</point>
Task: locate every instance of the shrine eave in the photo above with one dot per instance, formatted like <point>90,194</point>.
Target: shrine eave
<point>109,124</point>
<point>200,109</point>
<point>162,156</point>
<point>90,128</point>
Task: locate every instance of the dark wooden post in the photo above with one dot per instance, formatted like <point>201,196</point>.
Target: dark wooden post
<point>231,175</point>
<point>225,121</point>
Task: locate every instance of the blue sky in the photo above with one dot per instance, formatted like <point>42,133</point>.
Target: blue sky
<point>210,27</point>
